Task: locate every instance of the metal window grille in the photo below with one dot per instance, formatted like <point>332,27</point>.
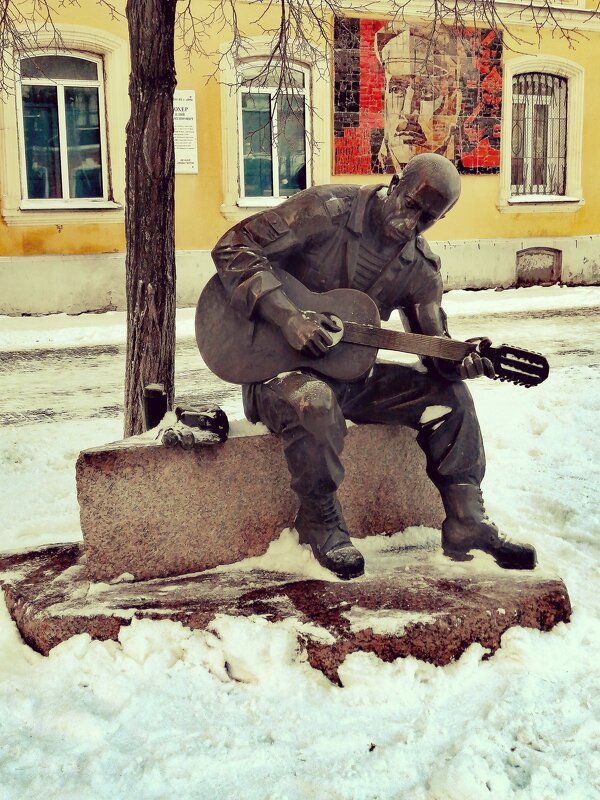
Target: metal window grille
<point>539,134</point>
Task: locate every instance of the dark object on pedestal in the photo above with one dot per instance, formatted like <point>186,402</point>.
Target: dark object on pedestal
<point>206,418</point>
<point>155,404</point>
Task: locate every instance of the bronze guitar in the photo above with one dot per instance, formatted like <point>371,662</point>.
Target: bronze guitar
<point>239,350</point>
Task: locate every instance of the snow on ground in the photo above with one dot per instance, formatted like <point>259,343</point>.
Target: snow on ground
<point>158,715</point>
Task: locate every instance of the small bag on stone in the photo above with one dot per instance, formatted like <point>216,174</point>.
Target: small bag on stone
<point>205,417</point>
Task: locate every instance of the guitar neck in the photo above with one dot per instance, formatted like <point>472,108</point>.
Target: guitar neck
<point>416,343</point>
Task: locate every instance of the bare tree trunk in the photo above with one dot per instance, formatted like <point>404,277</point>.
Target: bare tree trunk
<point>150,204</point>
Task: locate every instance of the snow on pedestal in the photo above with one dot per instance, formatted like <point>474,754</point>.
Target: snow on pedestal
<point>411,601</point>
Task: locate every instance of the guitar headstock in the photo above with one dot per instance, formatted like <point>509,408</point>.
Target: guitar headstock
<point>517,365</point>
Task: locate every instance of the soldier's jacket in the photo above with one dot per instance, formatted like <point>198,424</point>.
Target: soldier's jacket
<point>315,235</point>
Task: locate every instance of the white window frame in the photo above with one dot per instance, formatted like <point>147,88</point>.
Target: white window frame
<point>61,84</point>
<point>272,92</point>
<point>317,99</point>
<point>80,42</point>
<point>573,198</point>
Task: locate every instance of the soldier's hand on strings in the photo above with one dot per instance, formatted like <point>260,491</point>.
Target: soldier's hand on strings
<point>309,332</point>
<point>474,365</point>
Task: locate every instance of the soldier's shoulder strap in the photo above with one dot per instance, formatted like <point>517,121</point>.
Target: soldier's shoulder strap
<point>337,200</point>
<point>430,257</point>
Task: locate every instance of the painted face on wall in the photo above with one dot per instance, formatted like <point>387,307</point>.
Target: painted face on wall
<point>420,97</point>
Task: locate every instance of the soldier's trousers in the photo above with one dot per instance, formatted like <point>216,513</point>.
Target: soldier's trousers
<point>310,414</point>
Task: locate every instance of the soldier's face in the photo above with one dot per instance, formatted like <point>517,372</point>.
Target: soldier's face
<point>418,94</point>
<point>413,206</point>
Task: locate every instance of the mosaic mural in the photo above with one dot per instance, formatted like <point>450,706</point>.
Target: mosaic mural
<point>397,95</point>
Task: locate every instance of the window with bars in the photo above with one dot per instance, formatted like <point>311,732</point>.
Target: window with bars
<point>273,132</point>
<point>539,134</point>
<point>63,136</point>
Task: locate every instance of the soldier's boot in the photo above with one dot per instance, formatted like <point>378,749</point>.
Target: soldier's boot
<point>467,527</point>
<point>320,524</point>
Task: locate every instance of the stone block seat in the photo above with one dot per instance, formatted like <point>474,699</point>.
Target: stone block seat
<point>153,511</point>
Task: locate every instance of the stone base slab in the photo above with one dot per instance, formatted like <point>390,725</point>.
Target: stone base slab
<point>414,602</point>
<point>153,511</point>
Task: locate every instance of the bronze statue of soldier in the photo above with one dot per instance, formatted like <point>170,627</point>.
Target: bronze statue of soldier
<point>366,238</point>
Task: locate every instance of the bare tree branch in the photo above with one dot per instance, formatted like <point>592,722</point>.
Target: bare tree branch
<point>299,31</point>
<point>28,25</point>
<point>295,30</point>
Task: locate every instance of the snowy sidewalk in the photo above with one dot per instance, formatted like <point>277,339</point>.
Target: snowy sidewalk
<point>236,710</point>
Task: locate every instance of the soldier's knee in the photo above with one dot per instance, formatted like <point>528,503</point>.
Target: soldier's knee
<point>454,405</point>
<point>458,396</point>
<point>317,406</point>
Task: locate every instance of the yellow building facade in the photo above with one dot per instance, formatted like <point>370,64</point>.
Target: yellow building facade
<point>524,137</point>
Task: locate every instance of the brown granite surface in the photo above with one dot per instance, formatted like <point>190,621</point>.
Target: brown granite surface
<point>154,511</point>
<point>412,602</point>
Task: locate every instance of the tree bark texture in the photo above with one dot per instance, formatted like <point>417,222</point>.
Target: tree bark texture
<point>150,206</point>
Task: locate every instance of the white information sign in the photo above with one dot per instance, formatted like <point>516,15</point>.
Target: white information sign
<point>186,140</point>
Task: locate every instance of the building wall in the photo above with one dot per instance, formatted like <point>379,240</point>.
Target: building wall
<point>72,263</point>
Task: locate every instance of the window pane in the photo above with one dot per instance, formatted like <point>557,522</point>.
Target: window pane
<point>59,68</point>
<point>256,132</point>
<point>518,143</point>
<point>557,136</point>
<point>264,75</point>
<point>42,146</point>
<point>291,145</point>
<point>540,144</point>
<point>83,142</point>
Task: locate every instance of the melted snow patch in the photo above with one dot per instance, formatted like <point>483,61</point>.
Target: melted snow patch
<point>242,427</point>
<point>433,413</point>
<point>284,555</point>
<point>384,621</point>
